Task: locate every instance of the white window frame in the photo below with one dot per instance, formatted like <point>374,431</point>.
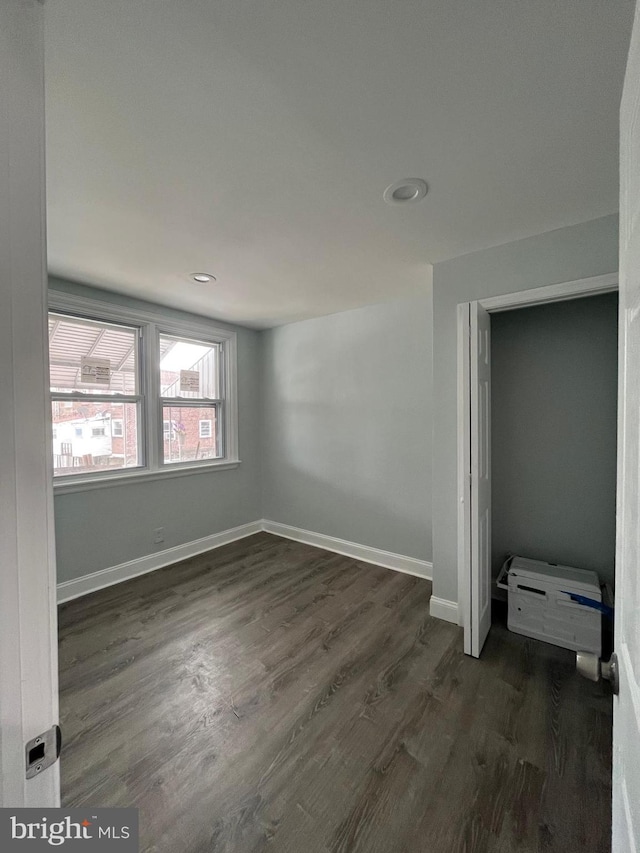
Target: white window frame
<point>87,430</point>
<point>151,323</point>
<point>216,406</point>
<point>120,433</point>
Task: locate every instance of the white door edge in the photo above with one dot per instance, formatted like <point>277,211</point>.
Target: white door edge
<point>28,637</point>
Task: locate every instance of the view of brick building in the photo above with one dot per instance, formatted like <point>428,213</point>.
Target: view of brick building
<point>87,435</point>
<point>188,432</point>
<point>90,434</point>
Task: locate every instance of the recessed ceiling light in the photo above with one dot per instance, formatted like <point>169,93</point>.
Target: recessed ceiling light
<point>406,190</point>
<point>202,277</point>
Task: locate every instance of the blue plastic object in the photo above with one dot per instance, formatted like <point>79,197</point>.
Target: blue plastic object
<point>591,602</point>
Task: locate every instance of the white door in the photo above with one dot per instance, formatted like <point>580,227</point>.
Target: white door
<point>626,712</point>
<point>480,608</point>
<point>28,663</point>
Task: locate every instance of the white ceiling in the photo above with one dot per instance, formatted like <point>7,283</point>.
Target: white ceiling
<point>254,138</point>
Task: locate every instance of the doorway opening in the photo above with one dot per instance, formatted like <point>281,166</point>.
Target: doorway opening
<point>552,479</point>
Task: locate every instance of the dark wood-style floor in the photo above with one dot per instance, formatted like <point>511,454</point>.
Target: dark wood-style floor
<point>273,696</point>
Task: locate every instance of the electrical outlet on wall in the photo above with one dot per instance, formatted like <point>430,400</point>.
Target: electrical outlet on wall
<point>158,535</point>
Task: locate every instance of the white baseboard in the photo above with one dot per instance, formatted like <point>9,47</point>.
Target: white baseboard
<point>386,559</point>
<point>68,590</point>
<point>441,608</point>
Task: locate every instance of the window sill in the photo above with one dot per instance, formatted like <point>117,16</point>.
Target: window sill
<point>85,484</point>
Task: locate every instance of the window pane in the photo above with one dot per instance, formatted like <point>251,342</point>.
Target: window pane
<point>189,368</point>
<point>184,436</point>
<point>94,436</point>
<point>91,356</point>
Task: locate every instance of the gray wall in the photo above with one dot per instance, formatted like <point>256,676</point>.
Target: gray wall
<point>579,251</point>
<point>554,419</point>
<point>340,410</point>
<point>188,507</point>
<point>347,426</point>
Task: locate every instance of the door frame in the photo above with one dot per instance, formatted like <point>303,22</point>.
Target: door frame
<point>28,627</point>
<point>509,301</point>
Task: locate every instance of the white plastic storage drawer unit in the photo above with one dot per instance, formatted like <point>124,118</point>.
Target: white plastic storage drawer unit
<point>540,604</point>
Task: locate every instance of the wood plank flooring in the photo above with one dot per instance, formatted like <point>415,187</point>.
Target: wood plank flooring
<point>270,696</point>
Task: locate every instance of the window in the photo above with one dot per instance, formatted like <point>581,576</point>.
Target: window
<point>130,391</point>
<point>95,374</point>
<point>190,383</point>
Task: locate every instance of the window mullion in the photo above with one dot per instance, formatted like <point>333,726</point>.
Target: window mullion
<point>153,408</point>
<point>221,432</point>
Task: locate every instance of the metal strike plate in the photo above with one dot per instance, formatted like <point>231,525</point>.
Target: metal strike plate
<point>43,751</point>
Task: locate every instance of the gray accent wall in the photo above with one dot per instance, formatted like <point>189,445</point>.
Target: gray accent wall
<point>579,251</point>
<point>554,420</point>
<point>105,527</point>
<point>347,426</point>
